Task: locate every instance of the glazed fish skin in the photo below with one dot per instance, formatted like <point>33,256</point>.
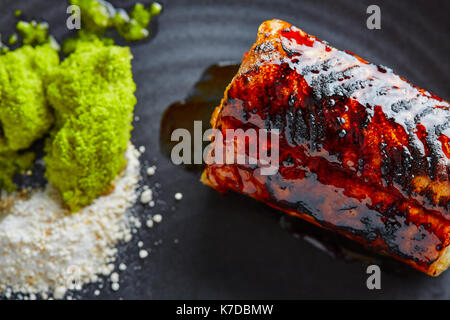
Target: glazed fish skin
<point>362,151</point>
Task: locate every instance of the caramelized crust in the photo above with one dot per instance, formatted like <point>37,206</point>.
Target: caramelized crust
<point>362,151</point>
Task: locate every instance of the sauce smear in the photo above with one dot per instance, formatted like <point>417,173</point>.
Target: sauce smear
<point>198,106</point>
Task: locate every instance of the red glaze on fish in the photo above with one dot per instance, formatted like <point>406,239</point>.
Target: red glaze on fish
<point>362,151</point>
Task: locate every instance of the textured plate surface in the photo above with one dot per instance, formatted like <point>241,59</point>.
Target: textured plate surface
<point>230,246</point>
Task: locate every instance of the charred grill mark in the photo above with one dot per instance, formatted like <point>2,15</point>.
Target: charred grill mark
<point>264,47</point>
<point>288,51</point>
<point>401,105</point>
<point>301,133</point>
<point>426,111</point>
<point>440,128</point>
<point>323,85</point>
<point>317,68</point>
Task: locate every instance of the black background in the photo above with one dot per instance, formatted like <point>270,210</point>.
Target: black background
<point>230,246</point>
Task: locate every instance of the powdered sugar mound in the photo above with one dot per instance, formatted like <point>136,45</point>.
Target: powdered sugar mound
<point>44,248</point>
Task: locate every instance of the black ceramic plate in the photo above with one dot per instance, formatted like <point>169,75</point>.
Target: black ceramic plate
<point>230,246</point>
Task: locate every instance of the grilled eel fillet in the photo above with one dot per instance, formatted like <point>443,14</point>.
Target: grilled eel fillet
<point>362,151</point>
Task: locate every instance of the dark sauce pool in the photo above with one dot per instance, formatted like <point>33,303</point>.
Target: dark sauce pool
<point>198,106</point>
<point>200,103</point>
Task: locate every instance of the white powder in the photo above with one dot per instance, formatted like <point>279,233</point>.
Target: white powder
<point>115,286</point>
<point>44,248</point>
<point>143,254</point>
<point>157,218</point>
<point>151,170</point>
<point>178,196</point>
<point>146,196</point>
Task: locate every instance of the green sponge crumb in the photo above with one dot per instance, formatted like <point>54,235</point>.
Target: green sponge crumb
<point>155,8</point>
<point>33,33</point>
<point>135,27</point>
<point>70,44</point>
<point>141,15</point>
<point>3,48</point>
<point>12,39</point>
<point>86,102</point>
<point>12,163</point>
<point>97,16</point>
<point>93,97</point>
<point>24,112</point>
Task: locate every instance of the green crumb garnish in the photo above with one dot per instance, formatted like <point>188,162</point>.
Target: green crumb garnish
<point>92,93</point>
<point>70,44</point>
<point>12,39</point>
<point>134,27</point>
<point>141,15</point>
<point>33,33</point>
<point>25,115</point>
<point>3,48</point>
<point>97,16</point>
<point>84,105</point>
<point>12,163</point>
<point>155,8</point>
<point>53,43</point>
<point>18,13</point>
